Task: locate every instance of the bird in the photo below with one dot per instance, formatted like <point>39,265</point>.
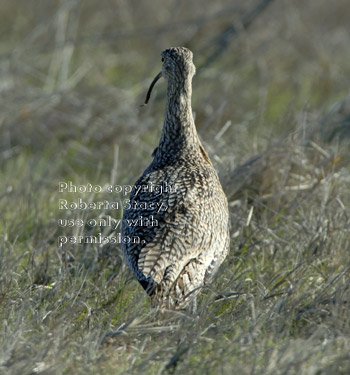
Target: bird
<point>177,210</point>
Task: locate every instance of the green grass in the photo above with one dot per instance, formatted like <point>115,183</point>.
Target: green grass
<point>280,302</point>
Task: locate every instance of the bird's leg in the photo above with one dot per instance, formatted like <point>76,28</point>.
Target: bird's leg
<point>193,305</point>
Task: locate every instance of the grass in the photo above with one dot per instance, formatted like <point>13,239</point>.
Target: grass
<point>73,76</point>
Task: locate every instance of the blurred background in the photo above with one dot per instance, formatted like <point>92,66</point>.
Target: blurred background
<point>272,108</point>
<point>73,74</point>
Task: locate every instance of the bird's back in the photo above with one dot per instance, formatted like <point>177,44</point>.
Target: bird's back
<point>184,236</point>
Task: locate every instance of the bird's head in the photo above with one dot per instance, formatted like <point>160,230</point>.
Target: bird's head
<point>177,68</point>
<point>177,64</point>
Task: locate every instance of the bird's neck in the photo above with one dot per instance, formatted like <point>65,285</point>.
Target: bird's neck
<point>179,131</point>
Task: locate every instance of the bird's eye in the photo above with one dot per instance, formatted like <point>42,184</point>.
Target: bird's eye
<point>162,59</point>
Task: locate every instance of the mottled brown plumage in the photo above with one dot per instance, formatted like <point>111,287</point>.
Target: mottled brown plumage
<point>183,231</point>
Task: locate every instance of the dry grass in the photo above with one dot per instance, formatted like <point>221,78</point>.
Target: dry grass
<point>73,74</point>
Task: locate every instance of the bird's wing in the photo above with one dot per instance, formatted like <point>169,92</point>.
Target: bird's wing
<point>182,232</point>
<point>179,238</point>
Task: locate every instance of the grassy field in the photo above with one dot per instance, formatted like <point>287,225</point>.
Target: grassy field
<point>276,92</point>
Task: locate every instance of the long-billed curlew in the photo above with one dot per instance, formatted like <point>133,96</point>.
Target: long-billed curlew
<point>177,209</point>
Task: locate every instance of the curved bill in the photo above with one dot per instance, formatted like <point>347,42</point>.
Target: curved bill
<point>151,88</point>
